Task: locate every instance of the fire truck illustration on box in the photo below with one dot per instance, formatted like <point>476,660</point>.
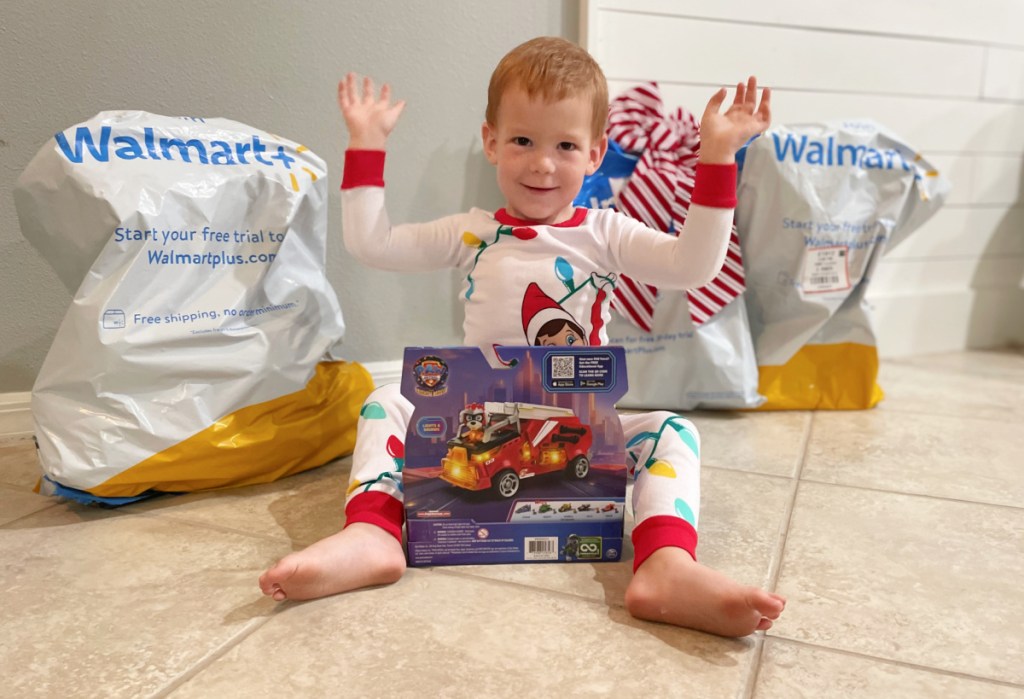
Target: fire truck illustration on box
<point>499,444</point>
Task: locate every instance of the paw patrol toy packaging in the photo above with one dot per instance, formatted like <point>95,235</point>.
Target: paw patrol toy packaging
<point>514,457</point>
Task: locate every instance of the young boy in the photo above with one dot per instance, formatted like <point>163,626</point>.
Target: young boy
<point>544,131</point>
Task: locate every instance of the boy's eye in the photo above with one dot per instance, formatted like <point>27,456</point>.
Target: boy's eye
<point>567,145</point>
<point>521,141</point>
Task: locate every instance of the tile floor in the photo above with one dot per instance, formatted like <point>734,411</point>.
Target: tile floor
<point>897,535</point>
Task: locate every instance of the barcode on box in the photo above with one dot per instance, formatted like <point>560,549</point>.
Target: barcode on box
<point>563,367</point>
<point>540,548</point>
<point>825,280</point>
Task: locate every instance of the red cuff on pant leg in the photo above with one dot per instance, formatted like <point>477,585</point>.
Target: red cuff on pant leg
<point>379,509</point>
<point>664,530</point>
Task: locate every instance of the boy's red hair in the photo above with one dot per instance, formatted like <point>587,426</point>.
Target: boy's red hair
<point>553,68</point>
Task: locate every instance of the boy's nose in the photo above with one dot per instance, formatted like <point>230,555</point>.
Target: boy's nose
<point>543,163</point>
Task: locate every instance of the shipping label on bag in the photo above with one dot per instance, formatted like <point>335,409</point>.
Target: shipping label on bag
<point>193,353</point>
<point>819,204</point>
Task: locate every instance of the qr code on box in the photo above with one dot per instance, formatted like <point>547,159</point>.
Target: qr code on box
<point>563,367</point>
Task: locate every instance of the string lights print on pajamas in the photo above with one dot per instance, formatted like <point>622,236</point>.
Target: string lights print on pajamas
<point>564,272</point>
<point>658,467</point>
<point>471,240</point>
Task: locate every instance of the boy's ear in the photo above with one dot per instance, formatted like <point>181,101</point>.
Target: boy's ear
<point>597,151</point>
<point>490,138</point>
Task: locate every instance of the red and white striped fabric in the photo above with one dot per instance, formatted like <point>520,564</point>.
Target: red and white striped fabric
<point>658,193</point>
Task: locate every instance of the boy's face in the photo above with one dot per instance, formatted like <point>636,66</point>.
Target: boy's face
<point>542,151</point>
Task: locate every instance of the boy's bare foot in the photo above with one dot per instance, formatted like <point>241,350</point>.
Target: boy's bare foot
<point>358,556</point>
<point>673,588</point>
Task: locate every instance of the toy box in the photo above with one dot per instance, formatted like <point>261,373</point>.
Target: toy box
<point>516,456</point>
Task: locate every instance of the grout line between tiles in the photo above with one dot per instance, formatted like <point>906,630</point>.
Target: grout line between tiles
<point>221,528</point>
<point>934,413</point>
<point>754,672</point>
<point>210,658</point>
<point>926,496</point>
<point>33,513</point>
<point>775,567</point>
<point>6,485</point>
<point>899,663</point>
<point>156,515</point>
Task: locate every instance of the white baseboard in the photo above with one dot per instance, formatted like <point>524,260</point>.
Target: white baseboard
<point>947,321</point>
<point>384,372</point>
<point>15,415</point>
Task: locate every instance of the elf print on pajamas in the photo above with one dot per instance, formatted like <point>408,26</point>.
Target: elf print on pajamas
<point>528,283</point>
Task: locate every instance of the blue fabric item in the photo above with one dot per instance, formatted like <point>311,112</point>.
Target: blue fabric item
<point>90,499</point>
<point>596,192</point>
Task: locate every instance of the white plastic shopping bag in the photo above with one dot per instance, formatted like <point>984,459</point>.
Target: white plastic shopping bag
<point>685,349</point>
<point>198,349</point>
<point>819,205</point>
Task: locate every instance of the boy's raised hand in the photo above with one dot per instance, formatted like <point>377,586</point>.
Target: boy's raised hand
<point>369,118</point>
<point>724,133</point>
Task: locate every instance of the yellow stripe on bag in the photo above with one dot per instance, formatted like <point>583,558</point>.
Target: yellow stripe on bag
<point>259,443</point>
<point>823,377</point>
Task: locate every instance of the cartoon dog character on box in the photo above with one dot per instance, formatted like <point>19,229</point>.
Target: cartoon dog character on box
<point>472,420</point>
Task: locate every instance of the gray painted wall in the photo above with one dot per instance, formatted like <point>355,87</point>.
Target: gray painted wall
<point>273,65</point>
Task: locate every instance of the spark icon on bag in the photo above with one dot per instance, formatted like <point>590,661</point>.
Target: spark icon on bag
<point>312,175</point>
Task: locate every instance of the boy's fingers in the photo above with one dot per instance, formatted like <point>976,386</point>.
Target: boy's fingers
<point>344,94</point>
<point>740,94</point>
<point>385,93</point>
<point>752,92</point>
<point>716,101</point>
<point>765,110</point>
<point>348,88</point>
<point>367,88</point>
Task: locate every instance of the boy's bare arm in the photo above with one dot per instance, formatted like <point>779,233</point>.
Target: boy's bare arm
<point>370,119</point>
<point>724,133</point>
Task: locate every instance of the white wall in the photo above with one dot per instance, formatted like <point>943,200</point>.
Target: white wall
<point>274,65</point>
<point>948,77</point>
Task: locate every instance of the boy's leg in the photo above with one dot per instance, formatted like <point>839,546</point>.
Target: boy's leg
<point>368,550</point>
<point>669,585</point>
<point>663,457</point>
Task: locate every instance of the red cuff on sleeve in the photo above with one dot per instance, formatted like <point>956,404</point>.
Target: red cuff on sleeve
<point>660,531</point>
<point>715,185</point>
<point>380,509</point>
<point>363,168</point>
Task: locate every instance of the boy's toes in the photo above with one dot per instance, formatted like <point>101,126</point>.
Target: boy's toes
<point>768,604</point>
<point>271,580</point>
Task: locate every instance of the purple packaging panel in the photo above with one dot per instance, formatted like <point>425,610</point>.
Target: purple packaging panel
<point>522,461</point>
